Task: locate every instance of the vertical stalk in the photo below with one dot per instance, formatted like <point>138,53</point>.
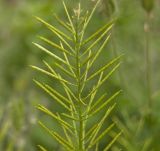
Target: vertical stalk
<point>81,122</point>
<point>148,62</point>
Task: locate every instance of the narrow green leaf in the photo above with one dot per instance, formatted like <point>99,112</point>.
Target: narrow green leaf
<point>112,142</point>
<point>47,111</point>
<point>61,22</point>
<point>92,12</point>
<point>90,131</point>
<point>62,141</point>
<point>85,74</point>
<point>102,134</point>
<point>64,70</point>
<point>65,143</point>
<point>52,95</point>
<point>68,137</point>
<point>97,102</point>
<point>96,41</point>
<point>69,18</point>
<point>98,127</point>
<point>42,148</point>
<point>67,60</point>
<point>49,67</point>
<point>66,88</point>
<point>104,104</point>
<point>106,26</point>
<point>87,60</point>
<point>57,93</point>
<point>50,53</point>
<point>93,95</point>
<point>49,26</point>
<point>70,117</point>
<point>104,67</point>
<point>52,75</point>
<point>63,40</point>
<point>55,45</point>
<point>99,51</point>
<point>104,79</point>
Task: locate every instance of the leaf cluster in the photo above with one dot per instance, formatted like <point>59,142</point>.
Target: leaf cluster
<point>74,57</point>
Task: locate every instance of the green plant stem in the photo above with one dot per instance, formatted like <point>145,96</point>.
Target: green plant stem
<point>148,62</point>
<point>81,122</point>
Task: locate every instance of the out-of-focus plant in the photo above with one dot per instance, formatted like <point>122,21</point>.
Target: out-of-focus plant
<point>10,128</point>
<point>148,5</point>
<point>134,131</point>
<point>81,83</point>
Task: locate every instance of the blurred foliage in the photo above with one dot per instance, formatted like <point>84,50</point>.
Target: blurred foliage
<point>18,29</point>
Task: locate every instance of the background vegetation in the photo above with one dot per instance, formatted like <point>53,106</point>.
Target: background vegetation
<point>136,34</point>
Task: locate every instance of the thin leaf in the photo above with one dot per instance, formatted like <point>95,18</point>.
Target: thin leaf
<point>50,53</point>
<point>96,41</point>
<point>61,22</point>
<point>52,95</point>
<point>62,141</point>
<point>42,148</point>
<point>66,58</point>
<point>104,79</point>
<point>87,60</point>
<point>49,26</point>
<point>69,18</point>
<point>98,101</point>
<point>66,88</point>
<point>112,142</point>
<point>99,125</point>
<point>55,45</point>
<point>47,111</point>
<point>64,70</point>
<point>99,51</point>
<point>93,95</point>
<point>102,134</point>
<point>104,104</point>
<point>65,131</point>
<point>104,67</point>
<point>63,40</point>
<point>57,93</point>
<point>70,117</point>
<point>50,74</point>
<point>106,26</point>
<point>91,14</point>
<point>90,131</point>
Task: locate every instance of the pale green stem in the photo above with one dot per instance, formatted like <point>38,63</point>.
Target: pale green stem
<point>148,62</point>
<point>81,122</point>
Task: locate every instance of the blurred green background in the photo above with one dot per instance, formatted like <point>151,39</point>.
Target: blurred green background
<point>136,32</point>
